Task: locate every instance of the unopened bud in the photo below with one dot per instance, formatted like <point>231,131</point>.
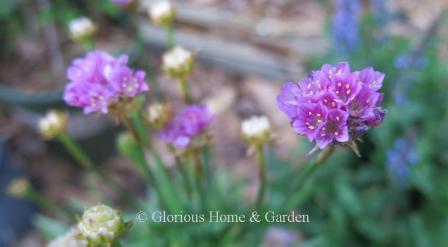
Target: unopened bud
<point>178,63</point>
<point>162,13</point>
<point>158,115</point>
<point>101,225</point>
<point>52,124</point>
<point>18,187</point>
<point>81,28</point>
<point>256,130</point>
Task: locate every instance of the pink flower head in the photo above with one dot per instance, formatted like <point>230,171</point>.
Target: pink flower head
<point>99,80</point>
<point>186,126</point>
<point>334,104</point>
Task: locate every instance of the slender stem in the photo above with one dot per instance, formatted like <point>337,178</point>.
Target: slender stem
<point>198,178</point>
<point>44,202</point>
<point>185,90</point>
<point>261,174</point>
<point>131,129</point>
<point>81,157</point>
<point>169,36</point>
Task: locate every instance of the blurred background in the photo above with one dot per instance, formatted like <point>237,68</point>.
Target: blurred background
<point>395,195</point>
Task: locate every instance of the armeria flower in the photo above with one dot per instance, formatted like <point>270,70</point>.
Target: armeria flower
<point>334,105</point>
<point>187,128</point>
<point>52,124</point>
<point>158,115</point>
<point>69,239</point>
<point>81,28</point>
<point>162,13</point>
<point>256,130</point>
<point>101,225</point>
<point>99,81</point>
<point>178,63</point>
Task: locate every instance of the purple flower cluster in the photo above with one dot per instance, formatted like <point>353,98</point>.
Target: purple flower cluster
<point>99,80</point>
<point>334,104</point>
<point>186,126</point>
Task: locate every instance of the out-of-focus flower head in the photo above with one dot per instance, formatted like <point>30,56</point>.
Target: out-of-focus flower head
<point>18,187</point>
<point>178,63</point>
<point>52,124</point>
<point>334,105</point>
<point>346,26</point>
<point>70,239</point>
<point>188,129</point>
<point>101,225</point>
<point>256,130</point>
<point>100,81</point>
<point>400,158</point>
<point>81,28</point>
<point>158,115</point>
<point>162,13</point>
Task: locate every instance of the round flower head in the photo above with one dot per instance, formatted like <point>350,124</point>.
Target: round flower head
<point>178,63</point>
<point>256,130</point>
<point>101,225</point>
<point>100,81</point>
<point>187,128</point>
<point>162,13</point>
<point>18,187</point>
<point>157,114</point>
<point>81,28</point>
<point>52,124</point>
<point>69,239</point>
<point>334,105</point>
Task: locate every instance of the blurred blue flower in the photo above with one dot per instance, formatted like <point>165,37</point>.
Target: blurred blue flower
<point>346,26</point>
<point>400,158</point>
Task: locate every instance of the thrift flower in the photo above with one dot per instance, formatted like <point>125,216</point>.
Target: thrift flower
<point>69,239</point>
<point>188,128</point>
<point>52,124</point>
<point>101,225</point>
<point>162,13</point>
<point>334,105</point>
<point>256,130</point>
<point>178,63</point>
<point>158,115</point>
<point>81,28</point>
<point>99,82</point>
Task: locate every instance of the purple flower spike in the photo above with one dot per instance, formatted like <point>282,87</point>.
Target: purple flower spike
<point>187,126</point>
<point>334,104</point>
<point>99,80</point>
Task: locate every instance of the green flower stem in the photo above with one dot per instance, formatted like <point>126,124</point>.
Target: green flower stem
<point>261,161</point>
<point>198,177</point>
<point>140,128</point>
<point>81,157</point>
<point>43,202</point>
<point>185,90</point>
<point>305,180</point>
<point>166,187</point>
<point>169,36</point>
<point>88,43</point>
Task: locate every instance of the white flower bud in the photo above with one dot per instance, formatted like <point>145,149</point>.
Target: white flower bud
<point>70,239</point>
<point>256,130</point>
<point>178,62</point>
<point>18,187</point>
<point>101,224</point>
<point>162,13</point>
<point>81,28</point>
<point>158,114</point>
<point>52,124</point>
